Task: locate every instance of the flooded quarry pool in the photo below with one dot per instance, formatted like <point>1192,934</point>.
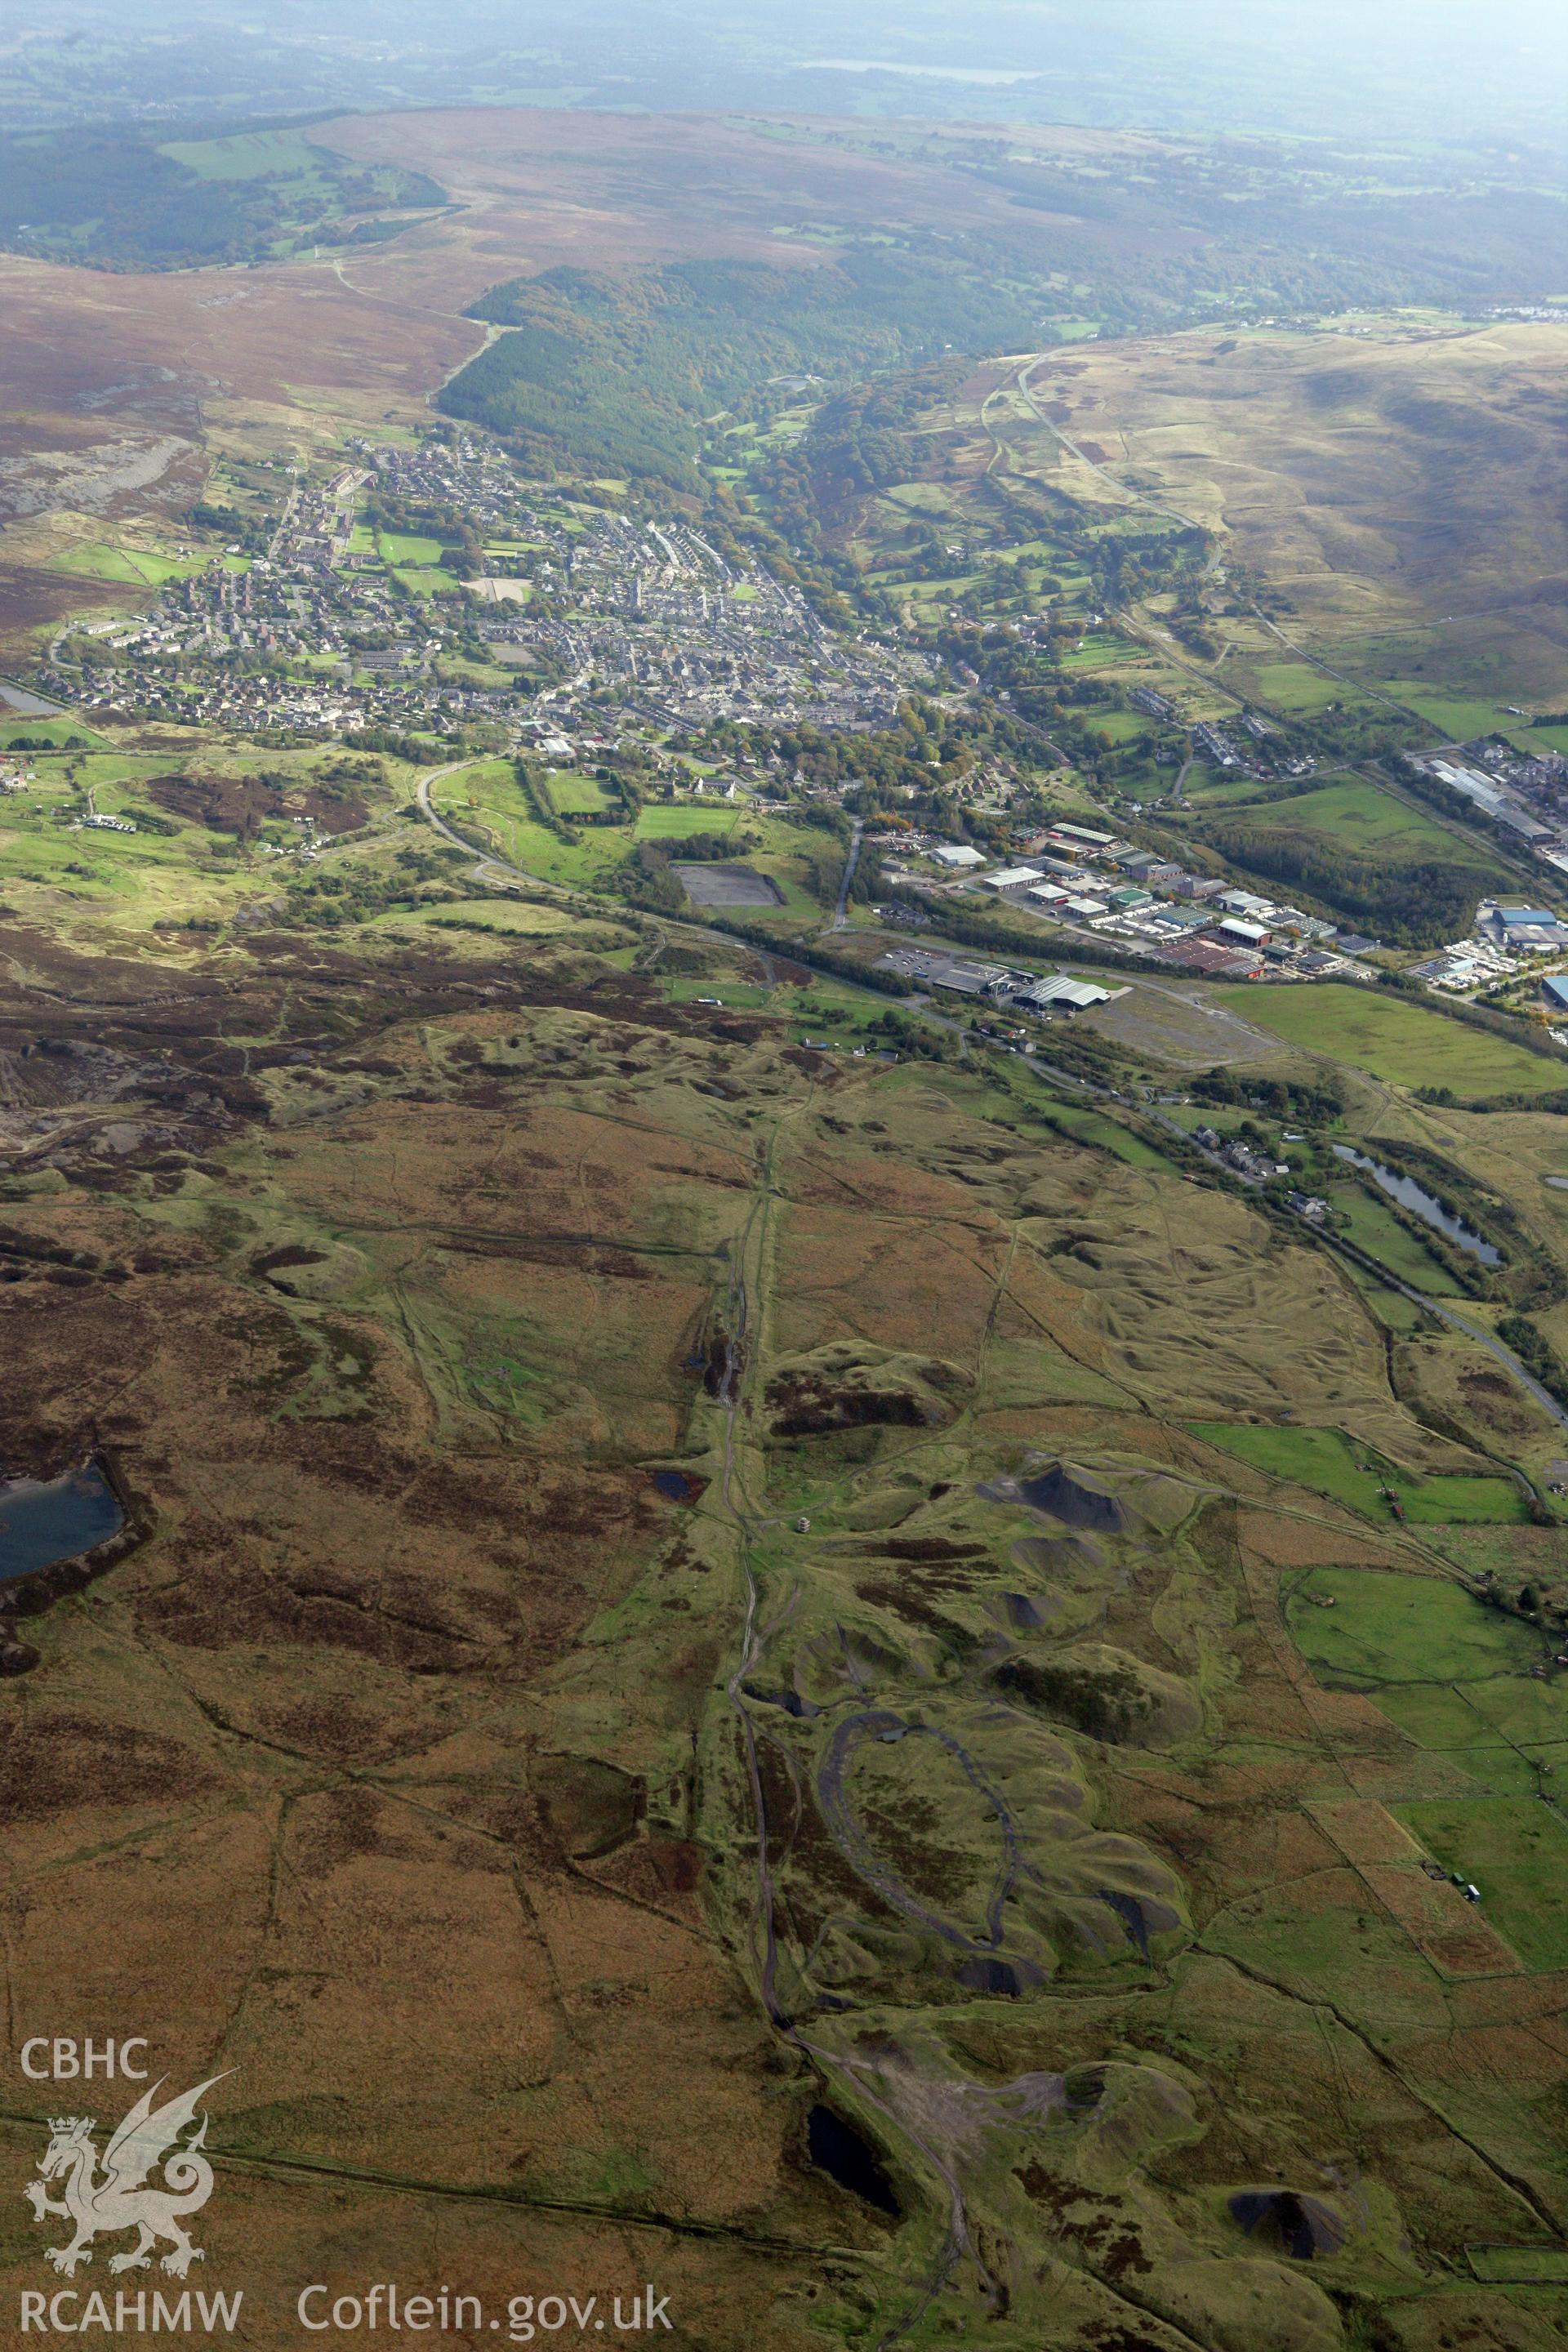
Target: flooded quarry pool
<point>43,1521</point>
<point>1422,1203</point>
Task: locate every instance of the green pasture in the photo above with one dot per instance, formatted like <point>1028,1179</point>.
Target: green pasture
<point>1102,653</point>
<point>1213,786</point>
<point>739,995</point>
<point>1458,716</point>
<point>1103,1134</point>
<point>1387,1627</point>
<point>1373,1225</point>
<point>1519,2265</point>
<point>1297,688</point>
<point>1121,726</point>
<point>926,591</point>
<point>578,795</point>
<point>1515,1850</point>
<point>1392,1308</point>
<point>507,918</point>
<point>129,867</point>
<point>56,731</point>
<point>99,560</point>
<point>487,802</point>
<point>1400,1043</point>
<point>1331,1463</point>
<point>248,155</point>
<point>678,820</point>
<point>1357,816</point>
<point>1456,1677</point>
<point>408,549</point>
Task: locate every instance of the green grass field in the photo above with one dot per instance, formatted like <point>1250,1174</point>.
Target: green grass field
<point>511,918</point>
<point>99,560</point>
<point>488,800</point>
<point>579,795</point>
<point>406,548</point>
<point>1377,1230</point>
<point>1105,1135</point>
<point>1103,653</point>
<point>1121,726</point>
<point>1355,815</point>
<point>248,155</point>
<point>1210,787</point>
<point>147,873</point>
<point>1459,716</point>
<point>738,996</point>
<point>56,731</point>
<point>1515,1849</point>
<point>666,821</point>
<point>1402,1044</point>
<point>1297,688</point>
<point>1393,1629</point>
<point>1331,1463</point>
<point>1457,1678</point>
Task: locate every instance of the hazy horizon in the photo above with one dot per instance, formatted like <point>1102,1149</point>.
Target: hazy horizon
<point>1451,75</point>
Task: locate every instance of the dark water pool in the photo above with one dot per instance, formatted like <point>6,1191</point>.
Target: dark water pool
<point>848,2157</point>
<point>41,1522</point>
<point>679,1485</point>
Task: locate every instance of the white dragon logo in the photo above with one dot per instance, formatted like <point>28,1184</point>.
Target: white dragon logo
<point>147,2138</point>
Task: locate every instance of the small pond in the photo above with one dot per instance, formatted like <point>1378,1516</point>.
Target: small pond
<point>676,1486</point>
<point>843,2151</point>
<point>1421,1204</point>
<point>44,1521</point>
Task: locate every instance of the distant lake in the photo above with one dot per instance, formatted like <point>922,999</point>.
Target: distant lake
<point>982,74</point>
<point>1422,1203</point>
<point>42,1522</point>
